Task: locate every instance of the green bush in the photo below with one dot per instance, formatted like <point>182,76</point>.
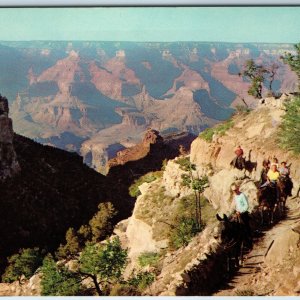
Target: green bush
<point>219,129</point>
<point>242,109</point>
<point>141,280</point>
<point>149,177</point>
<point>184,162</point>
<point>24,263</point>
<point>183,232</point>
<point>148,259</point>
<point>59,281</point>
<point>289,130</point>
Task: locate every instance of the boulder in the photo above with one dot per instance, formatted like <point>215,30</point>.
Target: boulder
<point>283,247</point>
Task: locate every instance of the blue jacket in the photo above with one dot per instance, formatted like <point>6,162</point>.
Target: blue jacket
<point>241,203</point>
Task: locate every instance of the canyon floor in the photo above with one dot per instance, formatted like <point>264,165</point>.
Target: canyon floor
<point>257,277</point>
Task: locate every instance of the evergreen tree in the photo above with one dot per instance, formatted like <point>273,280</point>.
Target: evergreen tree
<point>24,263</point>
<point>84,234</point>
<point>101,225</point>
<point>71,248</point>
<point>256,75</point>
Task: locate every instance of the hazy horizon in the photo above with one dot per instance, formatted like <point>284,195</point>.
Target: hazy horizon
<point>152,24</point>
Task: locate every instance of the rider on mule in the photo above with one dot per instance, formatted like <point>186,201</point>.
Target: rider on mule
<point>264,172</point>
<point>272,175</point>
<point>238,161</point>
<point>241,206</point>
<point>272,178</point>
<point>284,172</point>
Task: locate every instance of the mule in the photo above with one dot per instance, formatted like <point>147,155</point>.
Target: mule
<point>233,236</point>
<point>285,186</point>
<point>239,162</point>
<point>267,200</point>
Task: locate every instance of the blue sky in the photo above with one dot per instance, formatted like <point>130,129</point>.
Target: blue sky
<point>227,24</point>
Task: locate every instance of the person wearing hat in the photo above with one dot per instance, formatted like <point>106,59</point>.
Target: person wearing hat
<point>240,200</point>
<point>241,209</point>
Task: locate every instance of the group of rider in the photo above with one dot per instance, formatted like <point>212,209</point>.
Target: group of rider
<point>270,174</point>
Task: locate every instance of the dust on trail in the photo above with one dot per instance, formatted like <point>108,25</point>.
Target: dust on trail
<point>255,277</point>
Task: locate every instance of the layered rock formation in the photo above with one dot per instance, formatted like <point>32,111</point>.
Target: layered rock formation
<point>9,165</point>
<point>98,98</point>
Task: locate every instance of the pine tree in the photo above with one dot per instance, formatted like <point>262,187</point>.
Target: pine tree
<point>101,225</point>
<point>71,248</point>
<point>256,74</point>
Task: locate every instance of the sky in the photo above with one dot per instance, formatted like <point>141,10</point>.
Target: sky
<point>224,24</point>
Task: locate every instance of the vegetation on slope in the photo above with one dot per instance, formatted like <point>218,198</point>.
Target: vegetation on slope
<point>219,129</point>
<point>290,127</point>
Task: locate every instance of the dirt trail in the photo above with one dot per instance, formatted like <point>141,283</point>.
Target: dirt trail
<point>255,277</point>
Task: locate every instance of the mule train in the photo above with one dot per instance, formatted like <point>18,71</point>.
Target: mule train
<point>272,199</point>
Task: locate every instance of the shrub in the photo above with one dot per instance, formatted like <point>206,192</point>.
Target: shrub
<point>141,280</point>
<point>242,109</point>
<point>244,293</point>
<point>183,232</point>
<point>24,263</point>
<point>149,177</point>
<point>59,281</point>
<point>220,130</point>
<point>148,259</point>
<point>289,130</point>
<point>185,163</point>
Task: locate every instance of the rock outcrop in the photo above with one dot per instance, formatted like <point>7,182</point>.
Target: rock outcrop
<point>256,133</point>
<point>9,165</point>
<point>31,287</point>
<point>139,151</point>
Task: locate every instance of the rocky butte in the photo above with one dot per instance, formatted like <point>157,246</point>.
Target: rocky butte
<point>9,165</point>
